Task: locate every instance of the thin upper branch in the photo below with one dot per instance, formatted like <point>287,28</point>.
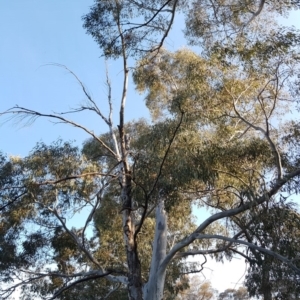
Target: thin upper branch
<point>22,113</point>
<point>168,29</point>
<point>147,23</point>
<point>166,155</point>
<point>209,251</point>
<point>259,10</point>
<point>75,238</point>
<point>145,212</point>
<point>93,211</point>
<point>123,97</point>
<point>87,94</point>
<point>265,133</point>
<point>110,116</point>
<point>13,200</point>
<point>65,288</point>
<point>7,292</point>
<point>75,177</point>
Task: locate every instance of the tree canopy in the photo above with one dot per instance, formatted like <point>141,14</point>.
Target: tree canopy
<point>221,136</point>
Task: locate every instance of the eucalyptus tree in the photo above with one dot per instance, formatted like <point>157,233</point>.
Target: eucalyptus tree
<point>198,289</point>
<point>278,231</point>
<point>239,294</point>
<point>214,141</point>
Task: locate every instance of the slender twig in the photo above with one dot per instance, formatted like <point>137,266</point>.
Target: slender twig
<point>166,155</point>
<point>145,212</point>
<point>12,289</point>
<point>89,97</point>
<point>147,24</point>
<point>110,116</point>
<point>265,133</point>
<point>256,14</point>
<point>168,29</point>
<point>93,211</point>
<point>75,238</point>
<point>12,201</point>
<point>75,177</point>
<point>209,251</point>
<point>25,112</point>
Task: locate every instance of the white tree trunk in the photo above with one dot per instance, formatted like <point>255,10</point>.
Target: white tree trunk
<point>154,288</point>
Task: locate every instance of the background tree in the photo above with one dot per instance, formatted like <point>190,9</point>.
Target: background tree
<point>198,289</point>
<point>232,294</point>
<point>213,141</point>
<point>277,231</point>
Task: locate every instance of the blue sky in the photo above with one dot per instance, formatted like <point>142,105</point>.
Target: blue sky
<point>37,33</point>
<point>34,34</point>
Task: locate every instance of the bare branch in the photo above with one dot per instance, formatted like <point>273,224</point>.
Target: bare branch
<point>113,135</point>
<point>242,254</point>
<point>75,177</point>
<point>166,154</point>
<point>89,97</point>
<point>260,249</point>
<point>65,288</point>
<point>75,238</point>
<point>23,113</point>
<point>145,212</point>
<point>63,275</point>
<point>13,288</point>
<point>256,14</point>
<point>209,251</point>
<point>13,201</point>
<point>148,24</point>
<point>95,207</point>
<point>265,133</point>
<point>124,97</point>
<point>168,29</point>
<point>161,9</point>
<point>196,271</point>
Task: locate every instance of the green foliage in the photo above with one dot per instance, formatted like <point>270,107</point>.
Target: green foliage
<point>239,294</point>
<point>119,26</point>
<point>213,141</point>
<point>208,22</point>
<point>198,289</point>
<point>278,231</point>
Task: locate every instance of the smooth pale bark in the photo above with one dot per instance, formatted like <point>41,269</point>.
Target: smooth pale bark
<point>154,288</point>
<point>229,213</point>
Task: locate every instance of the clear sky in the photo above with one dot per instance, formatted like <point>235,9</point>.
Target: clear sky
<point>34,34</point>
<point>37,33</point>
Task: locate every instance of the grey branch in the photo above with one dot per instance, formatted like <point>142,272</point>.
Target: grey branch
<point>279,183</point>
<point>260,249</point>
<point>21,113</point>
<point>256,14</point>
